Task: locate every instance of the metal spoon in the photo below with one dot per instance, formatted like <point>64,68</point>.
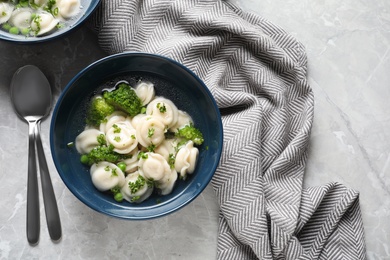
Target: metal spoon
<point>31,96</point>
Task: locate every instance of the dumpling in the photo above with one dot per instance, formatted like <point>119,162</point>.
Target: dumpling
<point>87,140</point>
<point>106,175</point>
<point>153,166</point>
<point>150,131</point>
<point>132,162</point>
<point>166,184</point>
<point>112,119</point>
<point>5,12</point>
<point>183,119</point>
<point>166,148</point>
<point>123,137</point>
<point>145,91</point>
<point>68,8</point>
<point>164,109</point>
<point>136,188</point>
<point>186,158</point>
<point>135,120</point>
<point>21,18</point>
<point>43,23</point>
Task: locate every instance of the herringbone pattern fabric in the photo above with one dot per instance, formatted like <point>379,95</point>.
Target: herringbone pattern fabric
<point>257,74</point>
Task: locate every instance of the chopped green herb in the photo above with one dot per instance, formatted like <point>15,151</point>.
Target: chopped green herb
<point>171,160</point>
<point>117,129</point>
<point>151,147</point>
<point>117,138</point>
<point>150,132</point>
<point>142,155</point>
<point>137,185</point>
<point>49,7</point>
<point>37,20</point>
<point>161,107</point>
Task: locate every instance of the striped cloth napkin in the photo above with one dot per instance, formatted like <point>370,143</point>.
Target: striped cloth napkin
<point>257,74</point>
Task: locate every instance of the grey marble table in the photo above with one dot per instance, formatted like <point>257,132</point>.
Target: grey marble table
<point>347,44</point>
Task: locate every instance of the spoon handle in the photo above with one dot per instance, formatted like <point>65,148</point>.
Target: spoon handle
<point>33,221</point>
<point>49,198</point>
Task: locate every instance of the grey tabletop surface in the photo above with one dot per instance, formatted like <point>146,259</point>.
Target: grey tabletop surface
<point>347,45</point>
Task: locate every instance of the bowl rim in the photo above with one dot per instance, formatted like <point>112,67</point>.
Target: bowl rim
<point>32,40</point>
<point>158,210</point>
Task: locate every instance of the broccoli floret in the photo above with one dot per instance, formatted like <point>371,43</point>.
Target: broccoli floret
<point>190,132</point>
<point>102,153</point>
<point>98,110</point>
<point>124,98</point>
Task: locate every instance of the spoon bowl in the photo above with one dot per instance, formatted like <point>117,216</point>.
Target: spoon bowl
<point>32,99</point>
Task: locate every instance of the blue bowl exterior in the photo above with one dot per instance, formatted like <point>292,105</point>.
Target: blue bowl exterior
<point>190,94</point>
<point>89,7</point>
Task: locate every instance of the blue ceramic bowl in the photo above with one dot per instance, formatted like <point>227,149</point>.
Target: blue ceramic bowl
<point>172,80</point>
<point>87,8</point>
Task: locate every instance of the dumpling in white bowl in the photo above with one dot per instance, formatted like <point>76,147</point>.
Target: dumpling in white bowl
<point>186,159</point>
<point>132,161</point>
<point>150,131</point>
<point>5,12</point>
<point>87,140</point>
<point>106,176</point>
<point>68,8</point>
<point>166,184</point>
<point>183,119</point>
<point>145,91</point>
<point>153,166</point>
<point>166,148</point>
<point>112,119</point>
<point>21,18</point>
<point>136,188</point>
<point>123,137</point>
<point>136,120</point>
<point>43,23</point>
<point>164,109</point>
